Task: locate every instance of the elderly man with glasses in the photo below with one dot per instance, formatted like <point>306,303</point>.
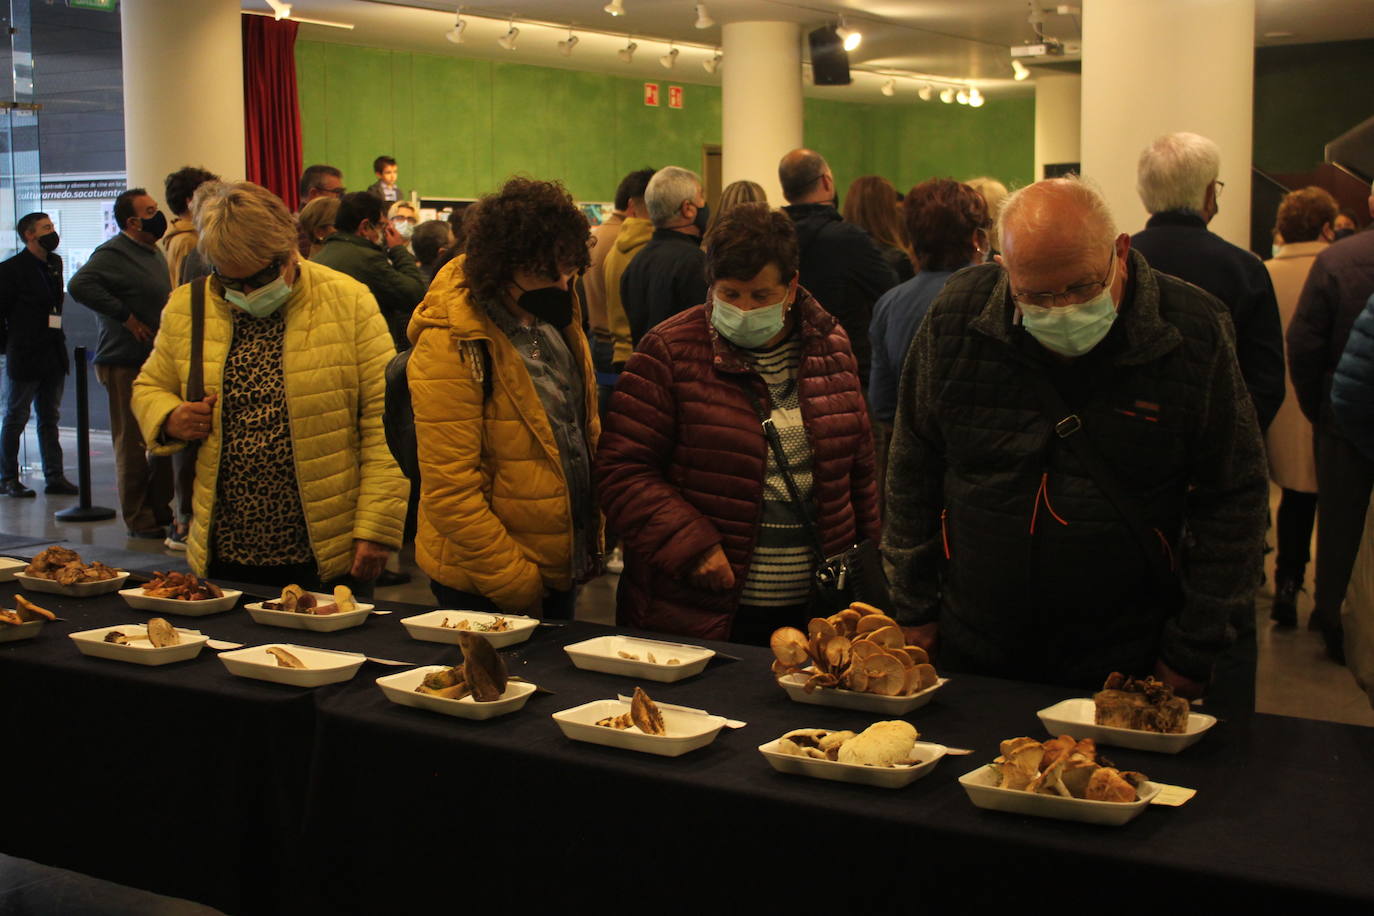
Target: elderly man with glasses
<point>1076,483</point>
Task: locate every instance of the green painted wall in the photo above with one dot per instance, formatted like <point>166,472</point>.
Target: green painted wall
<point>1306,95</point>
<point>459,127</point>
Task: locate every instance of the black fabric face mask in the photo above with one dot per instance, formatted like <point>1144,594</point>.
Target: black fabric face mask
<point>1344,234</point>
<point>549,304</point>
<point>702,219</point>
<point>49,241</point>
<point>155,225</point>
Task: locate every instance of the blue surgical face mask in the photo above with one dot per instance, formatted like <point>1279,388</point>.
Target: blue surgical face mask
<point>1072,330</point>
<point>262,301</point>
<point>750,328</point>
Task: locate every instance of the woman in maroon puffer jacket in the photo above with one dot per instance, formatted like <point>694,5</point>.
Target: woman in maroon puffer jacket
<point>714,546</point>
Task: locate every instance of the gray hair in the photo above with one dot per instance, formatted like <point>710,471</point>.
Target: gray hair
<point>667,190</point>
<point>1175,171</point>
<point>1095,216</point>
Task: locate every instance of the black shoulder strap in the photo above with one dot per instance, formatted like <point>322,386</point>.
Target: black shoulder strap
<point>195,374</point>
<point>770,432</point>
<point>1069,429</point>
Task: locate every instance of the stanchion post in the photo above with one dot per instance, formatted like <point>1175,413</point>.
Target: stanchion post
<point>83,511</point>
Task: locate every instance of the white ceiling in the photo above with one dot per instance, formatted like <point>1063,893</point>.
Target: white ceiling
<point>959,40</point>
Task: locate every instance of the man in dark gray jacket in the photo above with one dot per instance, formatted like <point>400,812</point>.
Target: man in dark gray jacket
<point>1002,539</point>
<point>126,283</point>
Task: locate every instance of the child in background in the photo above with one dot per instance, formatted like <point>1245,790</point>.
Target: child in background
<point>385,186</point>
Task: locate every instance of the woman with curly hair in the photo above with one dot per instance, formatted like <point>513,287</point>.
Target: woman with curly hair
<point>505,410</point>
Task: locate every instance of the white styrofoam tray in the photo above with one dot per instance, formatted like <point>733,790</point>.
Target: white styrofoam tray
<point>92,643</point>
<point>324,666</point>
<point>428,627</point>
<point>602,653</point>
<point>400,689</point>
<point>1078,717</point>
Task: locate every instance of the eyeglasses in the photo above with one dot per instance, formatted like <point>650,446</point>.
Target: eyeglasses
<point>337,192</point>
<point>261,278</point>
<point>1073,295</point>
<point>1220,186</point>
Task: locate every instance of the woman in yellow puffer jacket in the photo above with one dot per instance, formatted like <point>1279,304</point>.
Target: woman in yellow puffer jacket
<point>505,410</point>
<point>294,481</point>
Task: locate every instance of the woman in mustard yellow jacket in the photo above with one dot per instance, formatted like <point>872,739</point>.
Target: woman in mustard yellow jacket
<point>505,410</point>
<point>294,481</point>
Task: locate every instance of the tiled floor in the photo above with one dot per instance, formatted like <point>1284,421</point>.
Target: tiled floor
<point>1294,679</point>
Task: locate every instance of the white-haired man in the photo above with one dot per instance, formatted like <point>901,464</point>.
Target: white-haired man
<point>1176,179</point>
<point>1064,417</point>
<point>669,274</point>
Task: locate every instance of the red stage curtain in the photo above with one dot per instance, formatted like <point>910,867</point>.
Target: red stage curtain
<point>271,112</point>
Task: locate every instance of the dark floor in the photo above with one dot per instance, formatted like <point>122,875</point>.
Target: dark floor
<point>1294,678</point>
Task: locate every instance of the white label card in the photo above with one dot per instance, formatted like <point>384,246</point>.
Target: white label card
<point>54,321</point>
<point>1173,796</point>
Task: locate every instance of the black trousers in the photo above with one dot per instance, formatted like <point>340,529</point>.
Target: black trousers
<point>1344,480</point>
<point>753,625</point>
<point>557,605</point>
<point>306,575</point>
<point>1293,531</point>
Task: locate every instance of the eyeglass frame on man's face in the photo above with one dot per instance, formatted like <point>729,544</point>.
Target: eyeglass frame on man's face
<point>1073,295</point>
<point>255,281</point>
<point>1220,186</point>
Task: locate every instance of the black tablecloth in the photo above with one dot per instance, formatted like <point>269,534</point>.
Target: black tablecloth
<point>257,797</point>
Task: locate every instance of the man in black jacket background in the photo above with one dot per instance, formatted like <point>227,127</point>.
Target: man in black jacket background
<point>1176,179</point>
<point>840,264</point>
<point>35,354</point>
<point>669,273</point>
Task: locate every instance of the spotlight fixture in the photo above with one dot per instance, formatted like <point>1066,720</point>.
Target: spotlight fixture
<point>566,46</point>
<point>890,87</point>
<point>975,98</point>
<point>460,25</point>
<point>627,53</point>
<point>1019,70</point>
<point>925,92</point>
<point>712,65</point>
<point>507,40</point>
<point>962,97</point>
<point>947,96</point>
<point>615,7</point>
<point>280,10</point>
<point>669,60</point>
<point>704,20</point>
<point>850,37</point>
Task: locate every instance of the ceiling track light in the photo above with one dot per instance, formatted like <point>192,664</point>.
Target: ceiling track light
<point>925,92</point>
<point>975,98</point>
<point>615,7</point>
<point>1019,71</point>
<point>947,96</point>
<point>962,97</point>
<point>507,40</point>
<point>704,20</point>
<point>566,46</point>
<point>460,25</point>
<point>850,37</point>
<point>890,87</point>
<point>669,60</point>
<point>627,53</point>
<point>280,10</point>
<point>712,65</point>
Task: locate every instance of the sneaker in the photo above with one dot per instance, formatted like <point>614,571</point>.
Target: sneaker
<point>615,562</point>
<point>16,489</point>
<point>176,537</point>
<point>387,578</point>
<point>61,487</point>
<point>1284,611</point>
<point>148,534</point>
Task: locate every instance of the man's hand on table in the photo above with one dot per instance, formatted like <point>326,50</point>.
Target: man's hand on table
<point>926,636</point>
<point>1183,686</point>
<point>369,559</point>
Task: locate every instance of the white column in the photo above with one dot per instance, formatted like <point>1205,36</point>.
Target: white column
<point>183,89</point>
<point>1164,66</point>
<point>1057,119</point>
<point>761,101</point>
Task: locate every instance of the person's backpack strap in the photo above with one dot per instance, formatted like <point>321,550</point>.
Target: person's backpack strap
<point>195,374</point>
<point>398,414</point>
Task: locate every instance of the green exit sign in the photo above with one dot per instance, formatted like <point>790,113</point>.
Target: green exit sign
<point>106,5</point>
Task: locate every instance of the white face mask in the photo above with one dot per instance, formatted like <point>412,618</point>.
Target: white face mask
<point>1072,330</point>
<point>748,328</point>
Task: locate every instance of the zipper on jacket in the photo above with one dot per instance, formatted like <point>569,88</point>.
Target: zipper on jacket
<point>944,529</point>
<point>1043,495</point>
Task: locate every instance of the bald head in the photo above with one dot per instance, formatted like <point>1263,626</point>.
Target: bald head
<point>805,177</point>
<point>1058,234</point>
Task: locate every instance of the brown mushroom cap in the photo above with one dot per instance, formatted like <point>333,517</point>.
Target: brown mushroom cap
<point>886,675</point>
<point>876,622</point>
<point>483,668</point>
<point>161,633</point>
<point>888,637</point>
<point>789,646</point>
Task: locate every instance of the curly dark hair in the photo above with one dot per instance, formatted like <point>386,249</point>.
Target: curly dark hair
<point>1303,213</point>
<point>529,226</point>
<point>747,239</point>
<point>941,216</point>
<point>182,184</point>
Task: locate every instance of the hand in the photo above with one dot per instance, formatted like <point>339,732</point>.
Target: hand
<point>927,635</point>
<point>713,571</point>
<point>192,421</point>
<point>391,237</point>
<point>142,333</point>
<point>1183,686</point>
<point>369,559</point>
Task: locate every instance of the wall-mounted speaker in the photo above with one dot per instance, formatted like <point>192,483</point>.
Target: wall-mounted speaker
<point>829,59</point>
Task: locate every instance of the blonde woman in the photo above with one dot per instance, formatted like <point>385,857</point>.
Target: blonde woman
<point>294,482</point>
<point>317,221</point>
<point>736,193</point>
<point>993,193</point>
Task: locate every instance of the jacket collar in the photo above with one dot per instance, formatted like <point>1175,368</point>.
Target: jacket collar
<point>1146,335</point>
<point>673,235</point>
<point>339,238</point>
<point>813,324</point>
<point>1302,249</point>
<point>806,211</point>
<point>1177,218</point>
